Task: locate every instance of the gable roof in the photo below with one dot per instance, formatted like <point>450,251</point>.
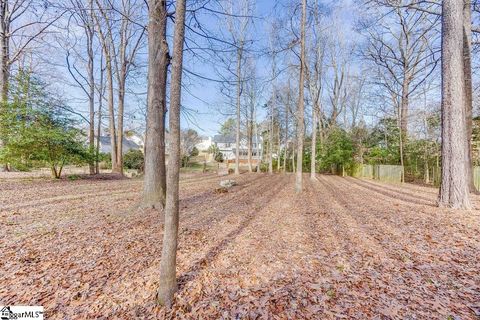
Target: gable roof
<point>224,139</point>
<point>127,144</point>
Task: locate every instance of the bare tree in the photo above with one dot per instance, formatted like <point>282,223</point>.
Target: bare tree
<point>154,186</point>
<point>301,107</point>
<point>314,75</point>
<point>237,28</point>
<point>340,55</point>
<point>106,38</point>
<point>83,15</point>
<point>168,281</point>
<point>275,43</point>
<point>121,37</point>
<point>454,189</point>
<point>287,112</point>
<point>22,23</point>
<point>131,36</point>
<point>401,46</point>
<point>273,106</point>
<point>251,97</point>
<point>100,86</point>
<point>467,74</point>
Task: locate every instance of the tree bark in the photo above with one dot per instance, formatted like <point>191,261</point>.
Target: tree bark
<point>279,141</point>
<point>270,133</point>
<point>91,97</point>
<point>287,110</point>
<point>121,73</point>
<point>313,158</point>
<point>155,171</point>
<point>467,73</point>
<point>4,68</point>
<point>111,111</point>
<point>249,147</point>
<point>119,129</point>
<point>4,50</point>
<point>107,52</point>
<point>300,109</point>
<point>404,104</point>
<point>285,146</point>
<point>402,162</point>
<point>239,93</point>
<point>168,282</point>
<point>454,190</point>
<point>154,185</point>
<point>99,119</point>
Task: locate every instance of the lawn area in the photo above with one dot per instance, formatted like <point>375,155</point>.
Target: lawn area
<point>344,248</point>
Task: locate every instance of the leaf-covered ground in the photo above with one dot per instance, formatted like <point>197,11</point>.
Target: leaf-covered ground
<point>346,248</point>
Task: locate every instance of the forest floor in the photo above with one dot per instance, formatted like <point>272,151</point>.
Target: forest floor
<point>345,248</point>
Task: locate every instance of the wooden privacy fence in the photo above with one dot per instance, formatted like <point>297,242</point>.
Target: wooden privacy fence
<point>476,177</point>
<point>387,173</point>
<point>393,173</point>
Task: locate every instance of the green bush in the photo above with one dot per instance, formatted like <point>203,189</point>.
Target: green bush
<point>219,157</point>
<point>134,159</point>
<point>337,151</point>
<point>36,131</point>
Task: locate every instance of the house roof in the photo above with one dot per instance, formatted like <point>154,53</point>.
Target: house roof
<point>224,139</point>
<point>127,144</point>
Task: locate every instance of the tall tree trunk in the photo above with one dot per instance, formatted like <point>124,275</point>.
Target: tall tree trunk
<point>91,99</point>
<point>120,114</point>
<point>111,111</point>
<point>107,49</point>
<point>279,142</point>
<point>4,69</point>
<point>426,174</point>
<point>300,109</point>
<point>467,73</point>
<point>287,110</point>
<point>270,134</point>
<point>259,158</point>
<point>404,104</point>
<point>4,50</point>
<point>401,146</point>
<point>100,90</point>
<point>154,185</point>
<point>249,147</point>
<point>99,126</point>
<point>285,148</point>
<point>168,281</point>
<point>239,93</point>
<point>313,158</point>
<point>4,59</point>
<point>454,189</point>
<point>111,115</point>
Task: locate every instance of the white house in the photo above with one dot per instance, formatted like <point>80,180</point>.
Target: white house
<point>128,144</point>
<point>227,146</point>
<point>204,144</point>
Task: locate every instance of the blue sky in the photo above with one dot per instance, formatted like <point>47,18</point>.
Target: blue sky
<point>202,97</point>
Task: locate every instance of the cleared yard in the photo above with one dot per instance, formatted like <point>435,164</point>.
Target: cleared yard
<point>345,248</point>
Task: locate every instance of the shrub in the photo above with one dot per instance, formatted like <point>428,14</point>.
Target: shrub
<point>134,159</point>
<point>35,129</point>
<point>338,150</point>
<point>219,157</point>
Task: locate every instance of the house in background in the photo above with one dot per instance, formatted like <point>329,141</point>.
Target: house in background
<point>131,141</point>
<point>227,146</point>
<point>203,147</point>
<point>204,144</point>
